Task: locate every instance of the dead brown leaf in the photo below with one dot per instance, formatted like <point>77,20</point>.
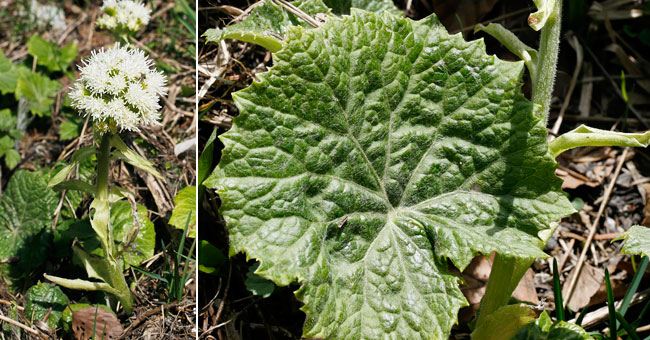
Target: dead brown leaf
<point>105,324</point>
<point>589,281</point>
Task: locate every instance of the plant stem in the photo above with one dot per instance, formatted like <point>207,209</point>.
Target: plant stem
<point>103,161</point>
<point>504,278</point>
<point>101,221</point>
<point>549,48</point>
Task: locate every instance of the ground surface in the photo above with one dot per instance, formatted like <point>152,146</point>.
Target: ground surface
<point>43,145</point>
<point>608,47</point>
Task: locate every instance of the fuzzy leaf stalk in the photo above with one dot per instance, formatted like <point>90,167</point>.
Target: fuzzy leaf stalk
<point>118,89</point>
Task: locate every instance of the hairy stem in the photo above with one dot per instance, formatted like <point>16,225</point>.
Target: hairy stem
<point>549,48</point>
<point>103,161</point>
<point>101,225</point>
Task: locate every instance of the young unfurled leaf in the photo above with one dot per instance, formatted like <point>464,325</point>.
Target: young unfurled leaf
<point>184,204</point>
<point>266,24</point>
<point>637,241</point>
<point>545,10</point>
<point>419,138</point>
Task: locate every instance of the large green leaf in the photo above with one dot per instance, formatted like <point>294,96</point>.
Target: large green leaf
<point>26,210</point>
<point>139,250</point>
<point>50,55</point>
<point>637,241</point>
<point>43,299</point>
<point>123,225</point>
<point>8,75</point>
<point>375,149</point>
<point>38,90</point>
<point>266,24</point>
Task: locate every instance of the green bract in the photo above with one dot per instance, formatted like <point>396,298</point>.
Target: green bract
<point>376,148</point>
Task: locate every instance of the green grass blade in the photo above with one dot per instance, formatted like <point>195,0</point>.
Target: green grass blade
<point>634,286</point>
<point>630,330</point>
<point>644,311</point>
<point>557,292</point>
<point>610,306</point>
<point>149,274</point>
<point>581,316</point>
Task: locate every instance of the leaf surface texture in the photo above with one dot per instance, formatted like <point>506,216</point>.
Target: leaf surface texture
<point>373,150</point>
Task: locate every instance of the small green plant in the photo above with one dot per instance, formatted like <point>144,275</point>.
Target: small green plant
<point>177,272</point>
<point>119,90</point>
<point>376,149</point>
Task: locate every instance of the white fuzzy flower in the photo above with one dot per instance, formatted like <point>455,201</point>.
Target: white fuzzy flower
<point>119,89</point>
<point>47,15</point>
<point>123,16</point>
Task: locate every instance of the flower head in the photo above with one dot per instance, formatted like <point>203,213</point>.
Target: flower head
<point>123,16</point>
<point>119,89</point>
<point>47,15</point>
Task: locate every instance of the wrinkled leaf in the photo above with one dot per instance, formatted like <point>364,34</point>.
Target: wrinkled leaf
<point>38,90</point>
<point>258,285</point>
<point>637,241</point>
<point>375,149</point>
<point>184,205</point>
<point>50,55</point>
<point>26,210</point>
<point>266,24</point>
<point>558,331</point>
<point>45,299</point>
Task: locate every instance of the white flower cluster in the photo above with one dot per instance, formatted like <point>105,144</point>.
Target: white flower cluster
<point>47,15</point>
<point>123,15</point>
<point>119,89</point>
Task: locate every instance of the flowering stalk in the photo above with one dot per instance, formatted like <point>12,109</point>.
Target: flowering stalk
<point>119,90</point>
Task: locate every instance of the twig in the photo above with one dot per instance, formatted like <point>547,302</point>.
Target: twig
<point>18,324</point>
<point>594,225</point>
<point>146,315</point>
<point>618,91</point>
<point>592,318</point>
